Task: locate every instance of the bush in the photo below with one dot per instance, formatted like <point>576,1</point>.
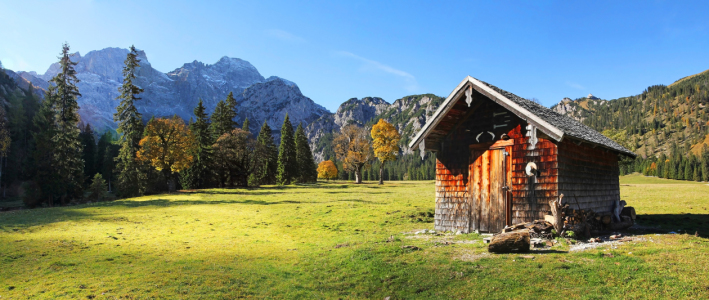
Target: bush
<point>98,188</point>
<point>253,181</point>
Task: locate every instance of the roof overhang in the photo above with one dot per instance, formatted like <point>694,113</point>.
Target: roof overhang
<point>546,128</point>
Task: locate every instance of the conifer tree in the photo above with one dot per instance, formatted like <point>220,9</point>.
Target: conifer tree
<point>287,160</point>
<point>705,163</point>
<point>67,163</point>
<point>245,126</point>
<point>307,170</point>
<point>269,167</point>
<point>88,143</point>
<point>223,116</point>
<point>131,175</point>
<point>199,174</point>
<point>43,154</point>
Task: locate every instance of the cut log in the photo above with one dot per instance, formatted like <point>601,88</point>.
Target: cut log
<point>624,224</point>
<point>516,241</point>
<point>606,219</point>
<point>628,211</point>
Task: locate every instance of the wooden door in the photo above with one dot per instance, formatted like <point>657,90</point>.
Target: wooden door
<point>489,181</point>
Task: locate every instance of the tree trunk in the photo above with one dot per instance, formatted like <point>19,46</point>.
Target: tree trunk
<point>515,241</point>
<point>171,185</point>
<point>381,173</point>
<point>358,175</point>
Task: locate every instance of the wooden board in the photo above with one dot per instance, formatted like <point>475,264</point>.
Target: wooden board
<point>488,176</point>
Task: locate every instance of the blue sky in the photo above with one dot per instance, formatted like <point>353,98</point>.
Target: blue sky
<point>336,50</point>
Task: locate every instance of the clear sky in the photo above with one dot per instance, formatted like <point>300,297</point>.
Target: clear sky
<point>336,50</point>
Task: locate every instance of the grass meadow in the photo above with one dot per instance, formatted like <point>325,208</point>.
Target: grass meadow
<point>336,240</point>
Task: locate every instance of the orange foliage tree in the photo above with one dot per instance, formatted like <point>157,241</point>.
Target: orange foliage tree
<point>385,143</point>
<point>327,170</point>
<point>168,146</point>
<point>353,148</point>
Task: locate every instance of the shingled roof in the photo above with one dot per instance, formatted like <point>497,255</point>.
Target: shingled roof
<point>551,123</point>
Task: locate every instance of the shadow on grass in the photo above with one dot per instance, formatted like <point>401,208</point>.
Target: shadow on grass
<point>686,223</point>
<point>548,251</point>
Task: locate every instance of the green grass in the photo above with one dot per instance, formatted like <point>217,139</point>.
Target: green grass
<point>324,241</point>
<point>668,204</point>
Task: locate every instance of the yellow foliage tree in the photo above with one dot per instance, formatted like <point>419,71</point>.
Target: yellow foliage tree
<point>168,146</point>
<point>353,148</point>
<point>385,143</point>
<point>327,170</point>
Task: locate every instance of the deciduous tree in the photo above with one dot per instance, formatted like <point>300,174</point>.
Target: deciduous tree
<point>327,170</point>
<point>168,146</point>
<point>385,143</point>
<point>238,155</point>
<point>353,148</point>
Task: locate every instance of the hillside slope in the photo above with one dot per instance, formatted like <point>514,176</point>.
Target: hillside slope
<point>652,122</point>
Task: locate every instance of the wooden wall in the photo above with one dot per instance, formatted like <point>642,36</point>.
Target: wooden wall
<point>588,175</point>
<point>531,195</point>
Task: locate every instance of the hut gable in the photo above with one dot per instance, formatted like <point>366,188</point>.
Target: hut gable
<point>551,123</point>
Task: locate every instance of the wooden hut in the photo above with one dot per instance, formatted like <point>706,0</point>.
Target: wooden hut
<point>500,159</point>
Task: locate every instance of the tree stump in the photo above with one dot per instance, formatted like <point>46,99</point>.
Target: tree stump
<point>556,214</point>
<point>628,211</point>
<point>508,242</point>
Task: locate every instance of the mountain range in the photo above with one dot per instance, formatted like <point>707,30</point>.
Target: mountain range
<point>259,99</point>
<point>646,123</point>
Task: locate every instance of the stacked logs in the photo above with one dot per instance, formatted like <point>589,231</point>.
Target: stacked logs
<point>586,222</point>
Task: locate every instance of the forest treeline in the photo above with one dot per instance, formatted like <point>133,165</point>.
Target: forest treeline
<point>667,126</point>
<point>48,156</point>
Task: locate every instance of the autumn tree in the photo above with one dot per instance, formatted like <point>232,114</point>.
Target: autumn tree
<point>327,170</point>
<point>307,171</point>
<point>287,156</point>
<point>385,143</point>
<point>131,176</point>
<point>353,148</point>
<point>238,156</point>
<point>168,146</point>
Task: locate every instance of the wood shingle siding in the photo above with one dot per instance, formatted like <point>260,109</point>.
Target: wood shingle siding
<point>484,147</point>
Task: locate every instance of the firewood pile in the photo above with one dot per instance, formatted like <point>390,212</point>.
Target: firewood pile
<point>537,229</point>
<point>585,222</point>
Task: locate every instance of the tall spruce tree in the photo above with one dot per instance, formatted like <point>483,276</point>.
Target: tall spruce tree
<point>88,143</point>
<point>287,159</point>
<point>44,130</point>
<point>267,172</point>
<point>131,176</point>
<point>199,175</point>
<point>67,162</point>
<point>223,116</point>
<point>307,170</point>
